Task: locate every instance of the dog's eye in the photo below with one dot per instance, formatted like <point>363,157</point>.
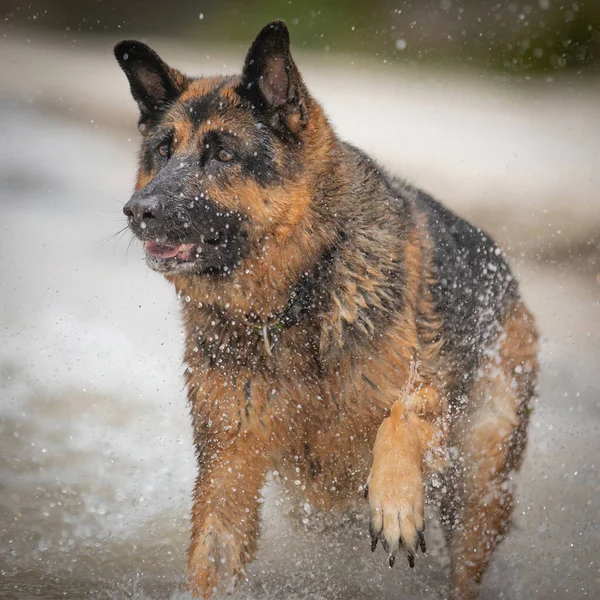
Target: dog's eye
<point>224,155</point>
<point>165,149</point>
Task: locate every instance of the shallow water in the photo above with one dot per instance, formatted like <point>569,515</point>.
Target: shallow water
<point>96,462</point>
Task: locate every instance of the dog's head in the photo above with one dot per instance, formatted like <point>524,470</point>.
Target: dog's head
<point>225,162</point>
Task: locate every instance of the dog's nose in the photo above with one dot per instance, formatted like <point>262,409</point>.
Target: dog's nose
<point>142,209</point>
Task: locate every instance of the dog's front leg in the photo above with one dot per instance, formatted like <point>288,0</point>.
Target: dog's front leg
<point>225,513</point>
<point>409,443</point>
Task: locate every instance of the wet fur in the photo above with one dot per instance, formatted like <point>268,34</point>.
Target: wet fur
<point>397,311</point>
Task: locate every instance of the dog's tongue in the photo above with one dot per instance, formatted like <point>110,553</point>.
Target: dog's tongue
<point>157,250</point>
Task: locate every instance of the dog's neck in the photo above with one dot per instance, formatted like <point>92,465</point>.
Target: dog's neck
<point>309,294</point>
<point>243,317</point>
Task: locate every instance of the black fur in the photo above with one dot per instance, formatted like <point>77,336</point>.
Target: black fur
<point>474,281</point>
<point>152,82</point>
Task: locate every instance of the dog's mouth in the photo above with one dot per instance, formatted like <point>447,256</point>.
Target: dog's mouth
<point>181,252</point>
<point>214,253</point>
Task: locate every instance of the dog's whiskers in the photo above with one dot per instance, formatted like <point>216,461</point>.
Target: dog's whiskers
<point>115,236</point>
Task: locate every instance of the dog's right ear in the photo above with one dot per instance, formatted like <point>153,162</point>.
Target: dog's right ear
<point>154,85</point>
<point>271,80</point>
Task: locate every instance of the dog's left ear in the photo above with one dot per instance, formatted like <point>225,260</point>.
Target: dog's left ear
<point>271,80</point>
<point>154,85</point>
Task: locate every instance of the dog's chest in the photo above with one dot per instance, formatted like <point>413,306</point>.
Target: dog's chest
<point>293,399</point>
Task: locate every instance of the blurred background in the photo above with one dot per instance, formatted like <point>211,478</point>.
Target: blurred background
<point>493,107</point>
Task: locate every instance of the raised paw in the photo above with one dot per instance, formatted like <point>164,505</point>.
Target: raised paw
<point>395,494</point>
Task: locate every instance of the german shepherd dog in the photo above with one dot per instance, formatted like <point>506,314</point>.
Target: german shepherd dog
<point>342,327</point>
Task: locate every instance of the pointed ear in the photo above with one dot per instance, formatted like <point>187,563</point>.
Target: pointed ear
<point>271,80</point>
<point>154,85</point>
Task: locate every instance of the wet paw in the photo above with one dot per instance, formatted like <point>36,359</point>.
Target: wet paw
<point>395,495</point>
<point>214,563</point>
